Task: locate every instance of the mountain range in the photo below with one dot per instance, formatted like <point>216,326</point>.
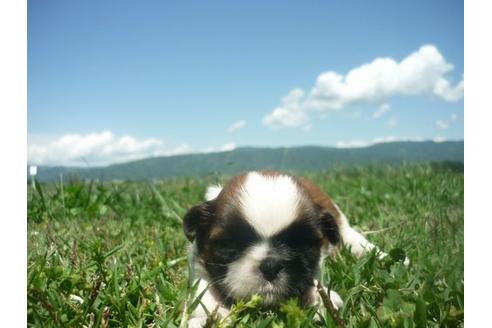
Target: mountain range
<point>291,159</point>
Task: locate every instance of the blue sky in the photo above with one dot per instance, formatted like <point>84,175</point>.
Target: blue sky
<point>111,81</point>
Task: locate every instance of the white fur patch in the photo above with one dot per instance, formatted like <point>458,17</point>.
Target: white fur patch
<point>358,243</point>
<point>207,304</point>
<point>212,192</point>
<point>269,203</point>
<point>244,278</point>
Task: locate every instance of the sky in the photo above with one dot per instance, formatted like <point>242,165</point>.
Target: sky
<point>112,81</point>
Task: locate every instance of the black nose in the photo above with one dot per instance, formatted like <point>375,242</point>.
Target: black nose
<point>270,268</point>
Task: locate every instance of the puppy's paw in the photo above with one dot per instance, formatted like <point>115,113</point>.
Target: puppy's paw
<point>336,300</point>
<point>197,322</point>
<point>200,319</point>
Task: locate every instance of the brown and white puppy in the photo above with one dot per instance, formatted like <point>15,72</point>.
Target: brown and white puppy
<point>264,233</point>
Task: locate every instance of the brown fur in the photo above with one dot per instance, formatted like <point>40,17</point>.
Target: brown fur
<point>319,197</point>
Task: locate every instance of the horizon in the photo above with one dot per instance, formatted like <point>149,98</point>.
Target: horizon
<point>117,81</point>
<point>87,164</point>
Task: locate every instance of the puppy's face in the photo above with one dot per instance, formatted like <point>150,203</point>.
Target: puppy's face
<point>264,234</point>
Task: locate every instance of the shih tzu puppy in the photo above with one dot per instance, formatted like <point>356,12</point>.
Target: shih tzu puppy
<point>264,233</point>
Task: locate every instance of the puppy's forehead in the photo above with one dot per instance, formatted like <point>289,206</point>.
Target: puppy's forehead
<point>268,202</point>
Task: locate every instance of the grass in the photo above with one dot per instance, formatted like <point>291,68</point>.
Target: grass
<point>113,254</point>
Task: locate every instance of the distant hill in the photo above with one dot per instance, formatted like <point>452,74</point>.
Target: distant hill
<point>292,159</point>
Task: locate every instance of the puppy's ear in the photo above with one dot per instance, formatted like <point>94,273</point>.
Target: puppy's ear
<point>197,218</point>
<point>329,227</point>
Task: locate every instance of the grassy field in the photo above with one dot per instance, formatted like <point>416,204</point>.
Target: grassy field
<point>114,255</point>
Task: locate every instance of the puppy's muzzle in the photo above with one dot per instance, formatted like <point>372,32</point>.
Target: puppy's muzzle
<point>270,268</point>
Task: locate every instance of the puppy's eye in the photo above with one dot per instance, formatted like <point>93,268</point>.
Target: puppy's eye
<point>303,242</point>
<point>299,235</point>
<point>236,235</point>
<point>225,250</point>
<point>222,242</point>
<point>231,243</point>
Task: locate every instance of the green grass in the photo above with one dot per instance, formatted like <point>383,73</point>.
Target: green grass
<point>119,247</point>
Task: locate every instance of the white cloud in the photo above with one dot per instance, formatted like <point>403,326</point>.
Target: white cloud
<point>236,126</point>
<point>290,113</point>
<point>439,139</point>
<point>383,109</point>
<point>103,148</point>
<point>352,143</point>
<point>228,146</point>
<point>95,149</point>
<point>444,90</point>
<point>444,124</point>
<point>422,73</point>
<point>209,150</point>
<point>178,150</point>
<point>365,143</point>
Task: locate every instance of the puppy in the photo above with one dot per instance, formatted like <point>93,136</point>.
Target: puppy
<point>264,233</point>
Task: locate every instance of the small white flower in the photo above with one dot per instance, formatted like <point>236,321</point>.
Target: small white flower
<point>76,299</point>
